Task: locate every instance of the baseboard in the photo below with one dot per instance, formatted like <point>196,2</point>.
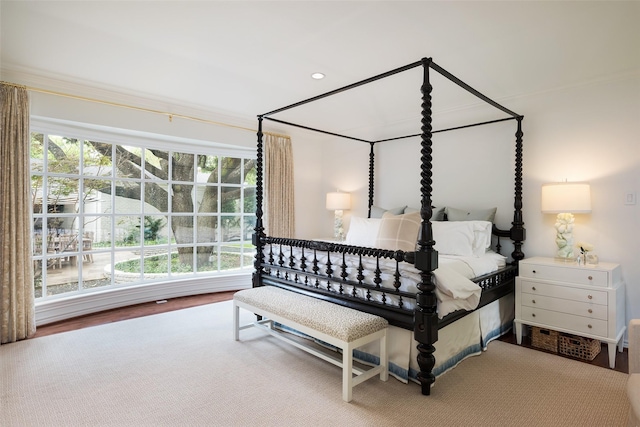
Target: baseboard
<point>79,305</point>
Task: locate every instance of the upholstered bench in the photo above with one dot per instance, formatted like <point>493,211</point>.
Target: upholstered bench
<point>339,326</point>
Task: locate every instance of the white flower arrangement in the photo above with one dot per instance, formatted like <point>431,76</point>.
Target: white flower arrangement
<point>584,247</point>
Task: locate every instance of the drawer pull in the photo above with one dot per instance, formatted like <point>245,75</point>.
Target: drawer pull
<point>534,272</point>
<point>533,315</point>
<point>589,326</point>
<point>533,288</point>
<point>590,277</point>
<point>590,311</point>
<point>533,301</point>
<point>590,296</point>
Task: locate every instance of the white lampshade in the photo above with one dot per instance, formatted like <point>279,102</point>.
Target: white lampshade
<point>566,197</point>
<point>338,201</point>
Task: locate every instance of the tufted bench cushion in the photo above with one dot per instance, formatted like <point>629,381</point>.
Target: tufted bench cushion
<point>340,322</point>
<point>339,326</point>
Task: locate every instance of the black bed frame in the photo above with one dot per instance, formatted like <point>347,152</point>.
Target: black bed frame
<point>277,270</point>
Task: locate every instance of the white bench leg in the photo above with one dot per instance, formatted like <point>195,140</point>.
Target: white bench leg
<point>384,358</point>
<point>347,375</point>
<point>236,321</point>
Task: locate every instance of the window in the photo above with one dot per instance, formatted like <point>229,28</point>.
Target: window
<point>112,214</point>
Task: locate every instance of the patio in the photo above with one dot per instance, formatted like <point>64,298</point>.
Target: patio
<point>64,277</point>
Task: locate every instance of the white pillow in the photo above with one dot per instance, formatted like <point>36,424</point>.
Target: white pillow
<point>363,232</point>
<point>481,236</point>
<point>464,238</point>
<point>453,237</point>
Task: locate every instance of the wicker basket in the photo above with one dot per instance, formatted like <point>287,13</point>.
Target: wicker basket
<point>545,339</point>
<point>579,347</point>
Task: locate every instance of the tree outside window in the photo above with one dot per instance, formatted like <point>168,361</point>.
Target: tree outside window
<point>109,214</point>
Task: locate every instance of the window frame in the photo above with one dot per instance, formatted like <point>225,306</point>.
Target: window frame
<point>146,140</point>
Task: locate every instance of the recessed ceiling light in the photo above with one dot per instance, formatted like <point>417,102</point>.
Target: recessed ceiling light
<point>317,76</point>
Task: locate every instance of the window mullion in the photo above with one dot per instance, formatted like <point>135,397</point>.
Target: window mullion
<point>112,197</point>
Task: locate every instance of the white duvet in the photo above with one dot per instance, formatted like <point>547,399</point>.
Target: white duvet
<point>454,289</point>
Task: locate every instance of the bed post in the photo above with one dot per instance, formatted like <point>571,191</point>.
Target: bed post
<point>259,229</point>
<point>371,165</point>
<point>425,315</point>
<point>518,231</point>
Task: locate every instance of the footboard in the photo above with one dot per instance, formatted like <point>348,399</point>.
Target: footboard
<point>366,279</point>
<point>377,281</point>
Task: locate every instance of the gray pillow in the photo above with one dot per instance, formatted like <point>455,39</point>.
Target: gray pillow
<point>377,212</point>
<point>437,214</point>
<point>454,214</point>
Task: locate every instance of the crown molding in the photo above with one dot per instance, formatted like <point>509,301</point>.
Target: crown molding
<point>68,85</point>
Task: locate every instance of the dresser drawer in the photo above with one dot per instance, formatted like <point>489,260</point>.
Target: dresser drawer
<point>577,275</point>
<point>583,309</point>
<point>592,296</point>
<point>564,321</point>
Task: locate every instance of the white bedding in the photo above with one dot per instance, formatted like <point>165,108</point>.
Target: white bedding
<point>453,288</point>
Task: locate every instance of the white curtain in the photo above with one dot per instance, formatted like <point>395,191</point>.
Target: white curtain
<point>279,202</point>
<point>17,311</point>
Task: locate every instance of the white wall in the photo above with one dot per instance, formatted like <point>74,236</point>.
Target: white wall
<point>309,191</point>
<point>583,133</point>
<point>346,168</point>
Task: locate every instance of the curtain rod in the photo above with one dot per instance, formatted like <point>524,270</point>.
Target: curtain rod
<point>147,110</point>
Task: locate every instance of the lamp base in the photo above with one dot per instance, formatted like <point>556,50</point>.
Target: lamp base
<point>338,228</point>
<point>564,237</point>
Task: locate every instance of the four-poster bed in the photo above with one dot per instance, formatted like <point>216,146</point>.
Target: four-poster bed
<point>397,284</point>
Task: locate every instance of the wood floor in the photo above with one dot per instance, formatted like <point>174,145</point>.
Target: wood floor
<point>602,359</point>
<point>131,312</point>
<point>115,315</point>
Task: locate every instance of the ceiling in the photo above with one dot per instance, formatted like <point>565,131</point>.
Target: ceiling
<point>242,58</point>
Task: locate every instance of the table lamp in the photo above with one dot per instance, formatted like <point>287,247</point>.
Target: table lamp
<point>565,199</point>
<point>338,202</point>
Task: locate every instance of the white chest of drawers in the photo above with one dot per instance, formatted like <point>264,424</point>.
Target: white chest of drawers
<point>587,301</point>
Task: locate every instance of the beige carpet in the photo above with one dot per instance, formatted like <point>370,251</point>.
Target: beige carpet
<point>183,368</point>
